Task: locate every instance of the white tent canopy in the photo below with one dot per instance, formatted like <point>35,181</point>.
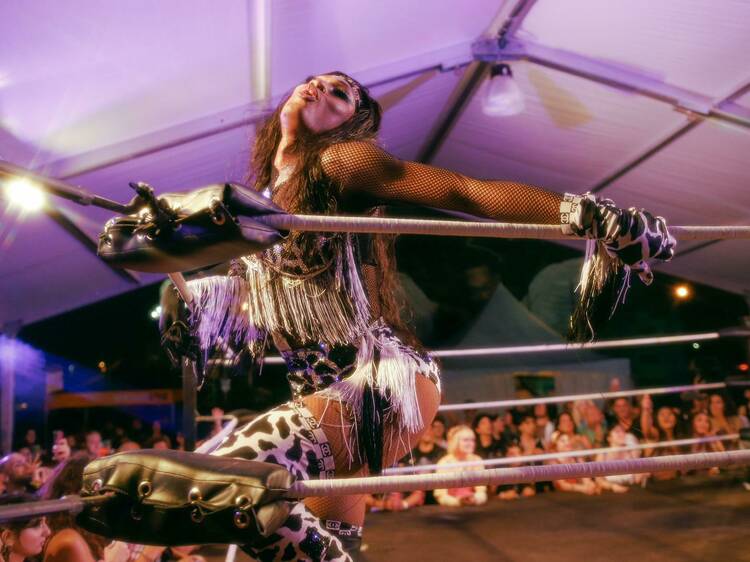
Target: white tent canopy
<point>644,101</point>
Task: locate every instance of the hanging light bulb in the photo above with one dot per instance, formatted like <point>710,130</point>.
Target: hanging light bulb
<point>502,96</point>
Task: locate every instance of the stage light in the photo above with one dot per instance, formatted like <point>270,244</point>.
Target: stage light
<point>24,194</point>
<point>744,367</point>
<point>156,312</point>
<point>683,292</point>
<point>696,345</point>
<point>502,97</point>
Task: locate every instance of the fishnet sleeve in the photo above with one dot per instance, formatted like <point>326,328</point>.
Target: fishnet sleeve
<point>363,169</point>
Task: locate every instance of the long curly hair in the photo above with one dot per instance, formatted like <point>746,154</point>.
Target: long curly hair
<point>309,190</point>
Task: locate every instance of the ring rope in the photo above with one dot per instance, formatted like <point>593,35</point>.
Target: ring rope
<point>564,455</point>
<point>575,397</point>
<point>485,229</point>
<point>385,484</point>
<point>547,347</point>
<point>516,475</point>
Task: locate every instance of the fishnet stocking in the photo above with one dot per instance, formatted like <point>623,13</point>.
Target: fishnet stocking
<point>367,175</point>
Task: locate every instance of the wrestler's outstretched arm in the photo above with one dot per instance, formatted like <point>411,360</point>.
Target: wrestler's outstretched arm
<point>363,169</point>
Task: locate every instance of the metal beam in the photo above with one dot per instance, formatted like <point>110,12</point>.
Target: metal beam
<point>246,115</point>
<point>502,27</point>
<point>260,52</point>
<point>611,74</point>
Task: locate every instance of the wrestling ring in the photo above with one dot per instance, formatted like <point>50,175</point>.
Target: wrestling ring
<point>490,472</point>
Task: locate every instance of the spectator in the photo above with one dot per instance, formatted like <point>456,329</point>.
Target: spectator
<point>60,449</point>
<point>665,430</point>
<point>94,444</point>
<point>161,443</point>
<point>617,438</point>
<point>722,421</point>
<point>128,445</point>
<point>438,431</point>
<point>19,473</point>
<point>426,452</point>
<point>30,441</point>
<point>625,414</point>
<point>528,441</point>
<point>593,425</point>
<point>544,426</point>
<point>158,436</point>
<point>566,426</point>
<point>564,444</point>
<point>461,443</point>
<point>22,539</point>
<point>486,446</point>
<point>71,543</point>
<point>515,491</point>
<point>701,426</point>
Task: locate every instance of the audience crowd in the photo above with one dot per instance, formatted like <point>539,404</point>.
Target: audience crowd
<point>623,428</point>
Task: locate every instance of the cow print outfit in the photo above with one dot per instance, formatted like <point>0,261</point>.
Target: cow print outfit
<point>290,436</point>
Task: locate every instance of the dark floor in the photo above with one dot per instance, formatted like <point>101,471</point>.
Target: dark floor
<point>694,519</point>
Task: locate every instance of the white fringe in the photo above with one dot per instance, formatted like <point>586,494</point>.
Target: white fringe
<point>394,375</point>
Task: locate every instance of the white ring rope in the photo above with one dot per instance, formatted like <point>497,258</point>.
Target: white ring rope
<point>523,459</point>
<point>486,229</point>
<point>548,347</point>
<point>213,443</point>
<point>516,475</point>
<point>576,397</point>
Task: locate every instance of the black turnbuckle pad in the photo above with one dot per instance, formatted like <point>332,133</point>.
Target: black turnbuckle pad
<point>185,231</point>
<point>175,498</point>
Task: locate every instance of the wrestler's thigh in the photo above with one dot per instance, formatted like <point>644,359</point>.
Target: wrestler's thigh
<point>336,421</point>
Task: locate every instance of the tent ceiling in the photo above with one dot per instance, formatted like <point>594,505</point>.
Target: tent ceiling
<point>161,92</point>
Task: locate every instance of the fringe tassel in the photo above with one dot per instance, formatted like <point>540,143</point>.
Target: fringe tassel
<point>603,285</point>
<point>218,314</point>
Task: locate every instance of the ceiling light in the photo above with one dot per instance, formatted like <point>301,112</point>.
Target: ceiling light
<point>24,194</point>
<point>502,96</point>
<point>682,292</point>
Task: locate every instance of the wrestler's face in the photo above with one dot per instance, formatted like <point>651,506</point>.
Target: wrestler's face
<point>323,103</point>
<point>666,418</point>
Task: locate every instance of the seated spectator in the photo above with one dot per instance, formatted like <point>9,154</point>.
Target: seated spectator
<point>724,421</point>
<point>94,444</point>
<point>128,445</point>
<point>626,415</point>
<point>528,441</point>
<point>426,452</point>
<point>619,483</point>
<point>593,425</point>
<point>22,539</point>
<point>665,430</point>
<point>461,443</point>
<point>486,446</point>
<point>564,444</point>
<point>438,432</point>
<point>161,443</point>
<point>701,426</point>
<point>19,473</point>
<point>395,501</point>
<point>515,491</point>
<point>71,543</point>
<point>60,449</point>
<point>544,426</point>
<point>502,430</point>
<point>566,426</point>
<point>157,435</point>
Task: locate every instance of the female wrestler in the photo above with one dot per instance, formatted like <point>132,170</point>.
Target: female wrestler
<point>363,389</point>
